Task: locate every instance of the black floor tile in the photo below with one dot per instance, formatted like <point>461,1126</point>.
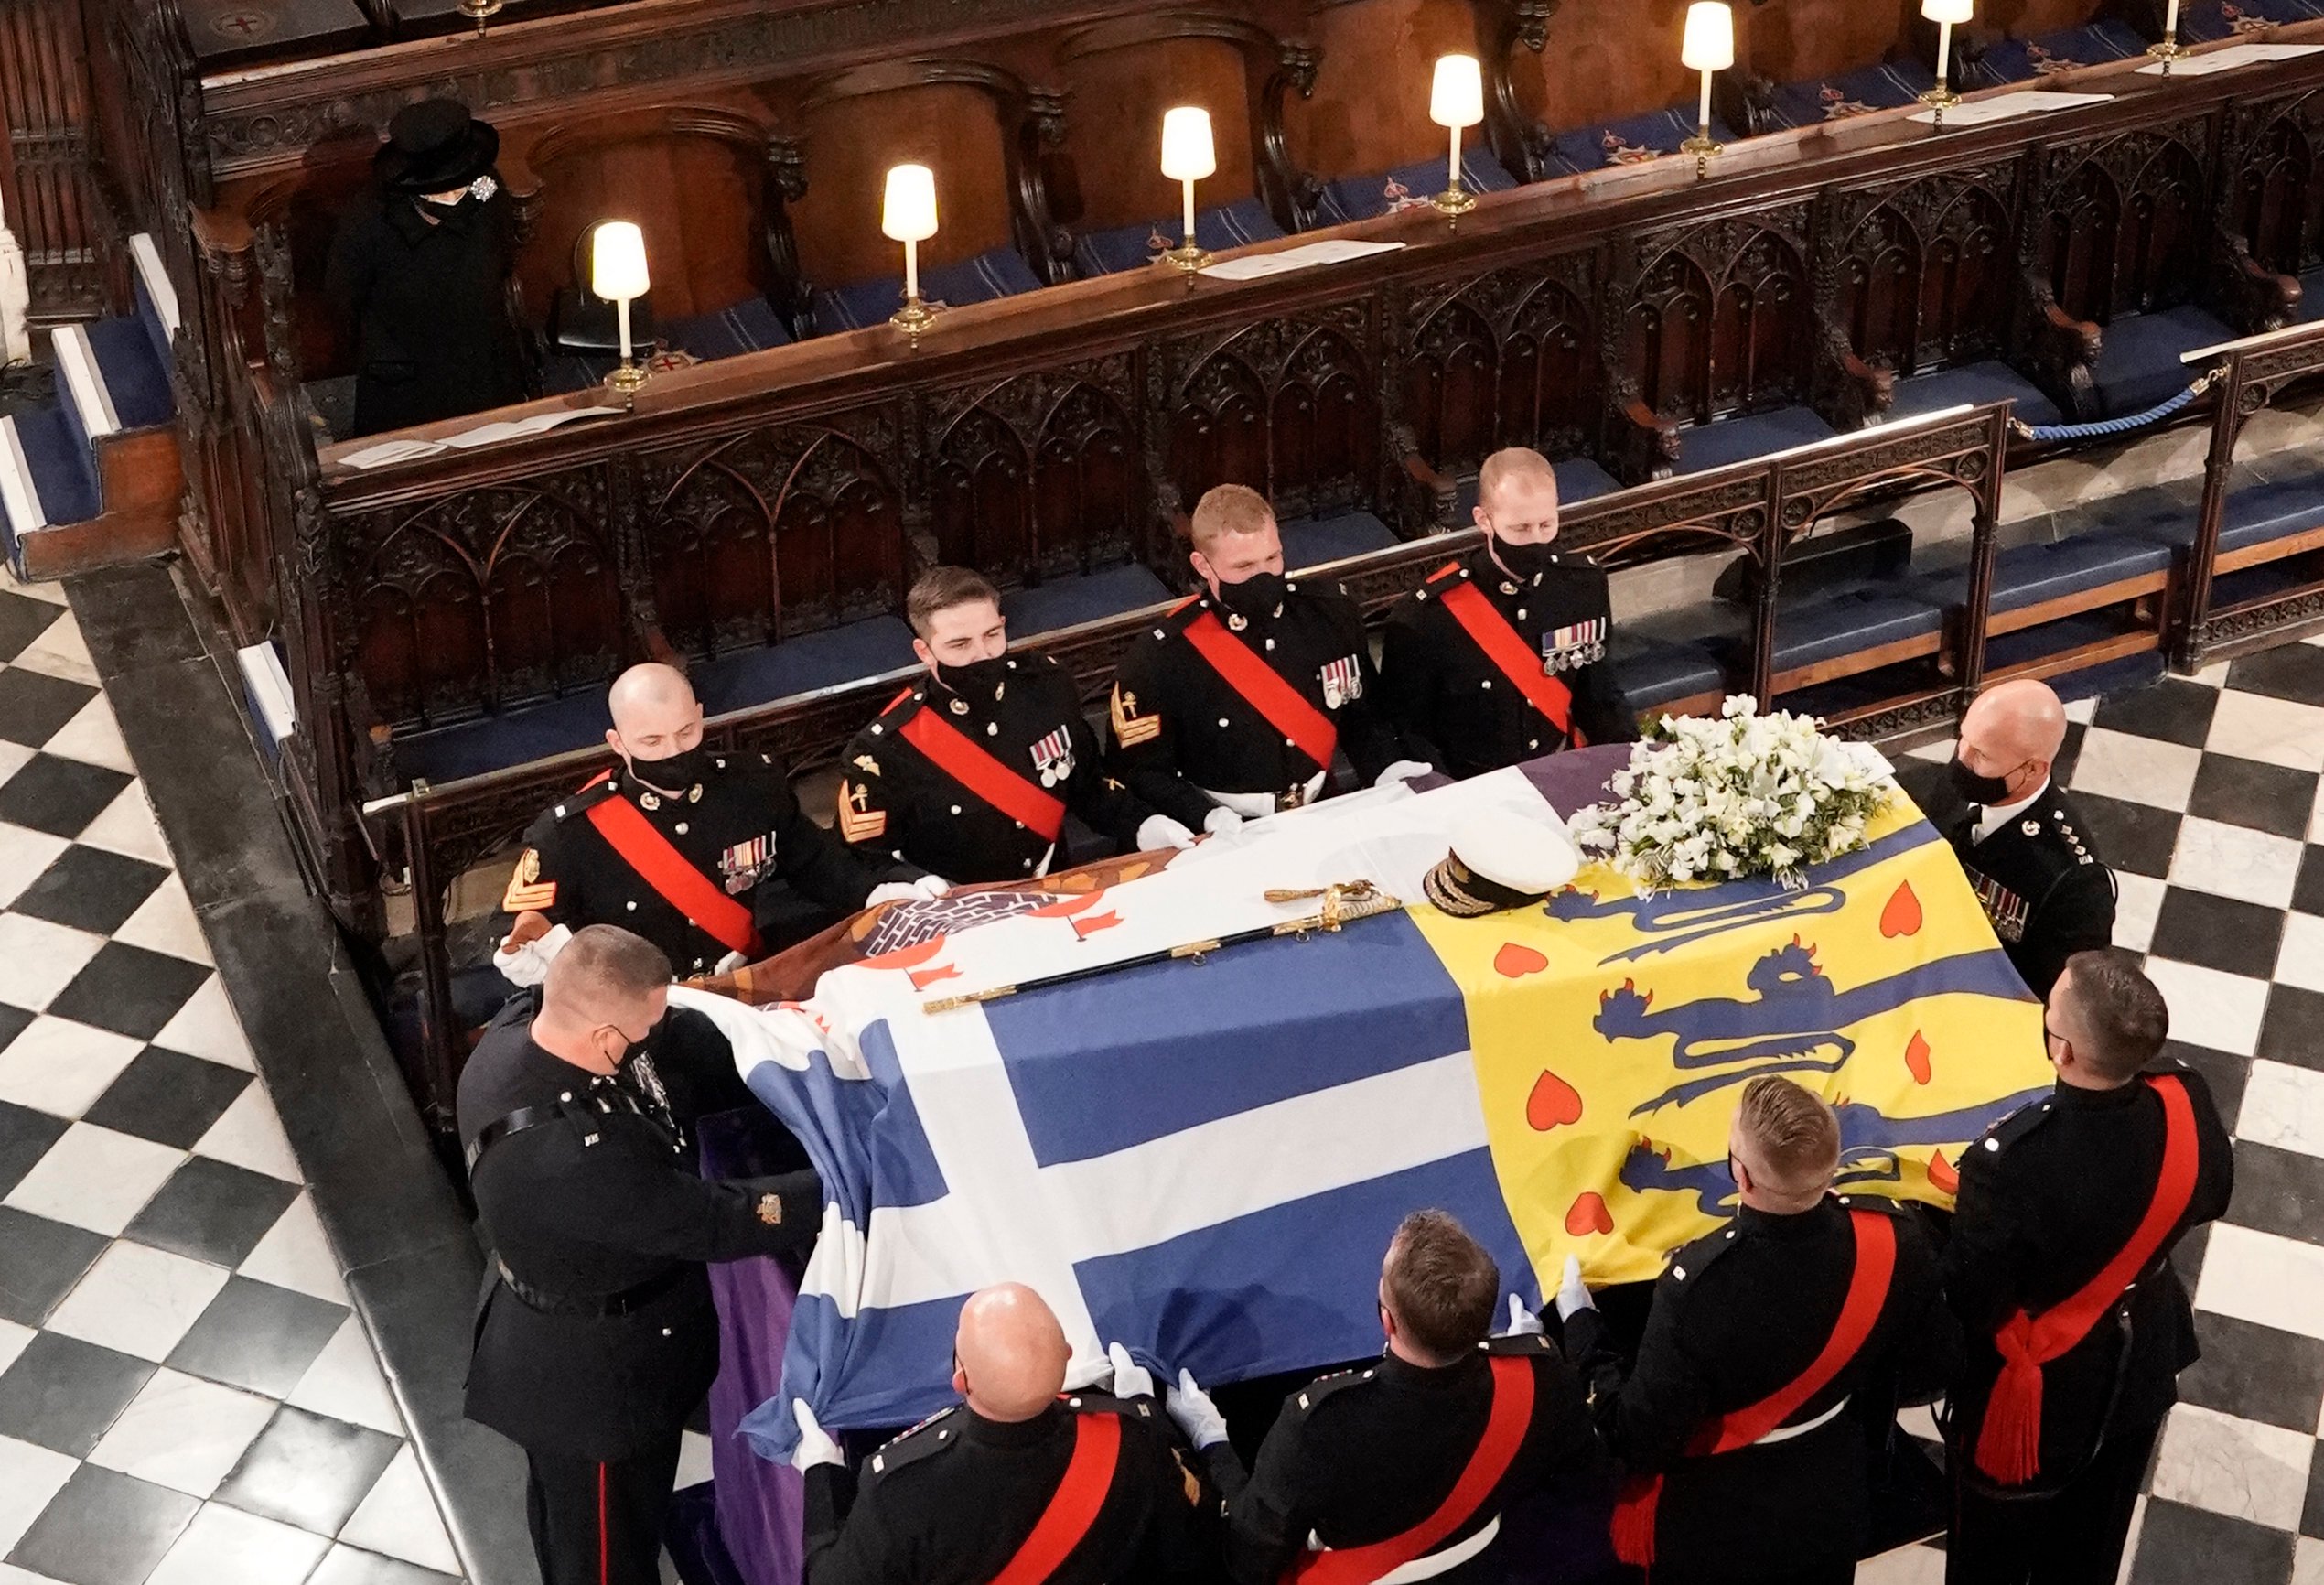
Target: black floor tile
<point>350,1566</point>
<point>131,618</point>
<point>39,1262</point>
<point>2187,1254</point>
<point>2256,1373</point>
<point>25,1136</point>
<point>2312,1509</point>
<point>14,1021</point>
<point>2218,933</point>
<point>129,991</point>
<point>104,1528</point>
<point>2062,768</point>
<point>59,796</point>
<point>2175,710</point>
<point>2239,792</point>
<point>2307,892</point>
<point>2137,837</point>
<point>168,1097</point>
<point>2223,1072</point>
<point>35,708</point>
<point>2279,1191</point>
<point>257,1337</point>
<point>2293,1031</point>
<point>64,1394</point>
<point>307,1470</point>
<point>214,1212</point>
<point>23,619</point>
<point>2182,1545</point>
<point>2288,672</point>
<point>90,889</point>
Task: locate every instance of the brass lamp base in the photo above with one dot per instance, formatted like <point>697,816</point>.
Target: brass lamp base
<point>1188,257</point>
<point>1940,99</point>
<point>913,318</point>
<point>480,11</point>
<point>1702,146</point>
<point>1454,200</point>
<point>625,381</point>
<point>2168,50</point>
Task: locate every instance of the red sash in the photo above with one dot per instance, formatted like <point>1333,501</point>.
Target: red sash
<point>1876,1262</point>
<point>1511,656</point>
<point>2009,1443</point>
<point>1283,706</point>
<point>1505,1427</point>
<point>672,875</point>
<point>965,761</point>
<point>1073,1508</point>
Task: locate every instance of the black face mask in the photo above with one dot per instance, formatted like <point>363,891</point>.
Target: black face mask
<point>1256,596</point>
<point>1526,561</point>
<point>674,772</point>
<point>1976,789</point>
<point>975,679</point>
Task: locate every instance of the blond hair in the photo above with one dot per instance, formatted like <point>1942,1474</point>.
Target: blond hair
<point>1509,466</point>
<point>1227,509</point>
<point>1796,1135</point>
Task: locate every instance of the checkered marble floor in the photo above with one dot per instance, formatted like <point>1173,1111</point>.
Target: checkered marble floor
<point>186,1397</point>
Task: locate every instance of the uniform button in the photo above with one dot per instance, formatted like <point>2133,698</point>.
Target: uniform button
<point>1289,744</point>
<point>565,1095</point>
<point>992,728</point>
<point>631,905</point>
<point>690,924</point>
<point>1270,643</point>
<point>1019,824</point>
<point>1520,613</point>
<point>680,828</point>
<point>956,808</point>
<point>665,1332</point>
<point>1222,720</point>
<point>697,962</point>
<point>1486,684</point>
<point>1029,864</point>
<point>1532,742</point>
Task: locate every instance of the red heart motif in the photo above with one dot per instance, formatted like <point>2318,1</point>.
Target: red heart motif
<point>1515,962</point>
<point>1553,1101</point>
<point>1902,914</point>
<point>1942,1177</point>
<point>1590,1215</point>
<point>1916,1058</point>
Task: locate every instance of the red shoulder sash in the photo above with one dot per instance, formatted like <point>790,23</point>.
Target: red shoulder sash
<point>966,761</point>
<point>1074,1507</point>
<point>1283,706</point>
<point>672,877</point>
<point>1511,655</point>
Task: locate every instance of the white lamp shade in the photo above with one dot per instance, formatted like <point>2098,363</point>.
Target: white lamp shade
<point>1187,151</point>
<point>1954,11</point>
<point>617,262</point>
<point>908,211</point>
<point>1709,44</point>
<point>1458,96</point>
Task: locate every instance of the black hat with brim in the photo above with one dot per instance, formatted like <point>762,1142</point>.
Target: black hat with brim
<point>434,146</point>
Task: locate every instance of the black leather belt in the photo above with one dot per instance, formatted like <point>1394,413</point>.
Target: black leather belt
<point>516,1121</point>
<point>590,1305</point>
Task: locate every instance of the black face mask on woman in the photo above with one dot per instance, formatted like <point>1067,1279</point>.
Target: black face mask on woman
<point>1977,789</point>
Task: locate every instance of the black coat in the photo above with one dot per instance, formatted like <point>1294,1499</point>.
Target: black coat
<point>591,1195</point>
<point>2046,894</point>
<point>429,307</point>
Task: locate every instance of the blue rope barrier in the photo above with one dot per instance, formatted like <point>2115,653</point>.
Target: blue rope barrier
<point>2122,426</point>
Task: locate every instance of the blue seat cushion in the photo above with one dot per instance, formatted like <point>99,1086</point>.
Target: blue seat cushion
<point>2312,296</point>
<point>1312,542</point>
<point>2032,575</point>
<point>1234,225</point>
<point>2275,509</point>
<point>63,472</point>
<point>1629,140</point>
<point>1972,383</point>
<point>1002,273</point>
<point>1363,197</point>
<point>496,742</point>
<point>2138,363</point>
<point>1656,671</point>
<point>803,666</point>
<point>135,377</point>
<point>2207,20</point>
<point>1749,435</point>
<point>750,326</point>
<point>1881,87</point>
<point>1580,479</point>
<point>2023,60</point>
<point>1829,628</point>
<point>1065,602</point>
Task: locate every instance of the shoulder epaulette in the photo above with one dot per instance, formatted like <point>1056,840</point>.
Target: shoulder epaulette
<point>1323,1386</point>
<point>1883,1204</point>
<point>891,705</point>
<point>2006,1131</point>
<point>1089,1401</point>
<point>1693,1259</point>
<point>587,796</point>
<point>1523,1344</point>
<point>928,1438</point>
<point>1447,570</point>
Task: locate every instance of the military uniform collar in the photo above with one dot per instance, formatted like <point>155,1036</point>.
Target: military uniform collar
<point>1395,1367</point>
<point>649,797</point>
<point>1993,817</point>
<point>2074,1098</point>
<point>1483,569</point>
<point>936,692</point>
<point>1794,1225</point>
<point>975,1428</point>
<point>1237,621</point>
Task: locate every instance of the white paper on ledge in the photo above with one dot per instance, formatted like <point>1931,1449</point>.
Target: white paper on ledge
<point>390,451</point>
<point>2229,59</point>
<point>1253,267</point>
<point>2001,107</point>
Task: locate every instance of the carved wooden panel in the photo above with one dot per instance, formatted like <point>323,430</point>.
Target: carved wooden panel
<point>2125,223</point>
<point>1038,476</point>
<point>1922,273</point>
<point>1718,320</point>
<point>1287,405</point>
<point>1506,359</point>
<point>2278,191</point>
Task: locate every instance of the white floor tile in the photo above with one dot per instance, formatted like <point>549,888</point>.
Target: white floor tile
<point>24,852</point>
<point>2263,1277</point>
<point>2235,861</point>
<point>2230,1465</point>
<point>93,737</point>
<point>48,590</point>
<point>29,1476</point>
<point>206,1026</point>
<point>94,1178</point>
<point>296,1254</point>
<point>13,1338</point>
<point>2119,765</point>
<point>2209,1007</point>
<point>2260,728</point>
<point>227,1547</point>
<point>138,1301</point>
<point>183,1433</point>
<point>12,1574</point>
<point>2284,1107</point>
<point>345,1383</point>
<point>2307,1561</point>
<point>400,1519</point>
<point>165,922</point>
<point>2137,902</point>
<point>61,652</point>
<point>60,1067</point>
<point>2130,1541</point>
<point>128,827</point>
<point>2300,960</point>
<point>2082,710</point>
<point>1905,1565</point>
<point>248,1134</point>
<point>38,959</point>
<point>693,1460</point>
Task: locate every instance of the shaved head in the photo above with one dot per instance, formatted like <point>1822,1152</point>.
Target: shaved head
<point>603,994</point>
<point>2014,731</point>
<point>655,716</point>
<point>1010,1353</point>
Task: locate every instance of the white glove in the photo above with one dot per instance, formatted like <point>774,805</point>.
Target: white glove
<point>528,965</point>
<point>1572,1293</point>
<point>728,963</point>
<point>931,886</point>
<point>894,891</point>
<point>815,1444</point>
<point>1221,821</point>
<point>1131,1379</point>
<point>1161,831</point>
<point>1193,1412</point>
<point>1404,770</point>
<point>1523,1322</point>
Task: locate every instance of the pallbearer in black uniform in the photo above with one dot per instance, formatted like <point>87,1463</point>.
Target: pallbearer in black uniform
<point>970,775</point>
<point>2059,1267</point>
<point>706,855</point>
<point>2026,849</point>
<point>1406,1465</point>
<point>1766,1374</point>
<point>1022,1484</point>
<point>596,1338</point>
<point>1232,706</point>
<point>1501,656</point>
